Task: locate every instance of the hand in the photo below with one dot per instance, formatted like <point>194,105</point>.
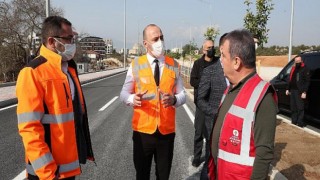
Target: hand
<point>167,99</point>
<point>287,92</point>
<point>303,95</point>
<point>137,100</point>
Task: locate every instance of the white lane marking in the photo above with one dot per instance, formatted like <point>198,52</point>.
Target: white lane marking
<point>191,116</point>
<point>194,172</point>
<point>110,76</point>
<point>108,104</point>
<point>21,176</point>
<point>8,107</point>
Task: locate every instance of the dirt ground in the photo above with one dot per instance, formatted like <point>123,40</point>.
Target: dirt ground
<point>297,154</point>
<point>273,61</point>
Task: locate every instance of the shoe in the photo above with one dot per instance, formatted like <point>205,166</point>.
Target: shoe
<point>196,162</point>
<point>301,125</point>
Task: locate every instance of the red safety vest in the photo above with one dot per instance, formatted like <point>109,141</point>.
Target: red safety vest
<point>236,152</point>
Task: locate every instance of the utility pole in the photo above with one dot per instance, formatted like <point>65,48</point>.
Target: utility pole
<point>291,30</point>
<point>125,49</point>
<point>47,8</point>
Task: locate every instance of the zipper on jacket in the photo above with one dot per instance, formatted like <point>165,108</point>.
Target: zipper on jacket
<point>67,96</point>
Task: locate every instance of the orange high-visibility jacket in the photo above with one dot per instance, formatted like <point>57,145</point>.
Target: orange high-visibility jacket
<point>152,114</point>
<point>46,117</point>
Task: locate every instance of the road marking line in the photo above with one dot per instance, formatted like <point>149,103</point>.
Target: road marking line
<point>108,104</point>
<point>8,107</point>
<point>110,76</point>
<point>21,176</point>
<point>191,116</point>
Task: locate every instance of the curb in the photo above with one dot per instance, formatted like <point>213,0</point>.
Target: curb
<point>274,174</point>
<point>8,102</point>
<point>13,101</point>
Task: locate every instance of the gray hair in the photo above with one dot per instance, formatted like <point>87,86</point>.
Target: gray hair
<point>241,45</point>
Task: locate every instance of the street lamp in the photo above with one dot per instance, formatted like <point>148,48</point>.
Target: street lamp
<point>291,30</point>
<point>47,8</point>
<point>125,49</point>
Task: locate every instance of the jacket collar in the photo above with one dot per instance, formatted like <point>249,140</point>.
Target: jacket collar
<point>52,57</point>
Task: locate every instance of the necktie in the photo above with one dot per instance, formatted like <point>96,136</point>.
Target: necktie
<point>156,73</point>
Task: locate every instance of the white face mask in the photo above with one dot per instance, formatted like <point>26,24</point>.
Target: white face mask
<point>158,48</point>
<point>69,51</point>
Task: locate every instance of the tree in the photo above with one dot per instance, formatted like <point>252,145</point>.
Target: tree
<point>189,49</point>
<point>257,24</point>
<point>211,33</point>
<point>20,20</point>
<point>174,55</point>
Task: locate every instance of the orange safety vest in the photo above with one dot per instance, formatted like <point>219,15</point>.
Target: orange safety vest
<point>152,114</point>
<point>236,152</point>
<point>46,117</point>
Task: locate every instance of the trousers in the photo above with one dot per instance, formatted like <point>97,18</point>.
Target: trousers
<point>199,127</point>
<point>147,146</point>
<point>297,107</point>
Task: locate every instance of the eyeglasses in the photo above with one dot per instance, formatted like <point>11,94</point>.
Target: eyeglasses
<point>71,40</point>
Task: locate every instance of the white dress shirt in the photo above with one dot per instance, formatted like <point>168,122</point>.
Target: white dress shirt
<point>127,92</point>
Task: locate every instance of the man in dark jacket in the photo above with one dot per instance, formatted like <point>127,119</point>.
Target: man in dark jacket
<point>297,88</point>
<point>210,91</point>
<point>198,66</point>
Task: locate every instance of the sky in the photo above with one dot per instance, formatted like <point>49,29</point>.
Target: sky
<point>185,20</point>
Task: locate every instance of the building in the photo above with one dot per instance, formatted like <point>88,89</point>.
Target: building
<point>121,51</point>
<point>177,50</point>
<point>137,49</point>
<point>82,67</point>
<point>95,44</point>
<point>109,46</point>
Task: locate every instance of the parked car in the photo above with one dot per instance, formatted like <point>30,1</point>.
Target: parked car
<point>312,105</point>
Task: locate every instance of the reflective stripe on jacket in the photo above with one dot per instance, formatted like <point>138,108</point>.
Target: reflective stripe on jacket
<point>236,152</point>
<point>151,114</point>
<point>46,117</point>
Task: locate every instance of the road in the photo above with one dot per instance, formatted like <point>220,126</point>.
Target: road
<point>110,127</point>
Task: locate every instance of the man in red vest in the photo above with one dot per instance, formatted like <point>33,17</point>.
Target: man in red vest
<point>242,140</point>
<point>154,88</point>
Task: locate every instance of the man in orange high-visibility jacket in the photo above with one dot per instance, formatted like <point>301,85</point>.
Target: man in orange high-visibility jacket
<point>242,139</point>
<point>52,115</point>
<point>154,100</point>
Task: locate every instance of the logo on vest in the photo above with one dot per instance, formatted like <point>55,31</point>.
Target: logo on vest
<point>235,138</point>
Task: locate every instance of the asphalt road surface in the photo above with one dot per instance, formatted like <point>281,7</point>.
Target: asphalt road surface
<point>111,133</point>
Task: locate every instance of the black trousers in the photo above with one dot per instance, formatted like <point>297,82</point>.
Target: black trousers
<point>147,146</point>
<point>199,127</point>
<point>297,107</point>
<point>208,126</point>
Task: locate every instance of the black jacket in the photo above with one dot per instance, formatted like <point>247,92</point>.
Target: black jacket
<point>196,73</point>
<point>302,79</point>
<point>211,88</point>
